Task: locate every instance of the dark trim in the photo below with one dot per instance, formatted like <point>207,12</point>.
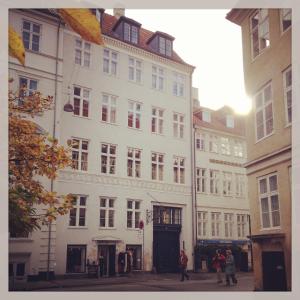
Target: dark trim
<point>162,34</point>
<point>267,236</point>
<point>127,20</point>
<point>76,245</point>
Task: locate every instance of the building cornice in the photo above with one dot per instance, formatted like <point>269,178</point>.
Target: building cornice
<point>238,15</point>
<point>223,162</point>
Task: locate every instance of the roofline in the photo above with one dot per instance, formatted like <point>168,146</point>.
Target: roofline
<point>238,15</point>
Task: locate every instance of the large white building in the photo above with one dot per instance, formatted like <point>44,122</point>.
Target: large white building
<point>131,129</point>
<point>221,186</point>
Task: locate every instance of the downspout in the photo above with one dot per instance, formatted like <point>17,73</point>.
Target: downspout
<point>53,134</point>
<point>192,175</point>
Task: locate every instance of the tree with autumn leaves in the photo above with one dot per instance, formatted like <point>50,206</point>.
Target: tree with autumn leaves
<point>32,153</point>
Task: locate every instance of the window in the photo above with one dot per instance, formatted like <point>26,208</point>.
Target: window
<point>134,162</point>
<point>178,125</point>
<point>200,141</point>
<point>237,148</point>
<point>108,158</point>
<point>240,185</point>
<point>178,84</point>
<point>82,53</point>
<point>157,120</point>
<point>80,154</point>
<point>110,62</point>
<point>133,213</point>
<point>27,87</point>
<point>179,169</point>
<point>76,258</point>
<point>108,108</point>
<point>269,201</point>
<point>228,222</point>
<point>202,223</point>
<point>286,18</point>
<point>241,225</point>
<point>225,146</point>
<point>77,215</point>
<point>165,46</point>
<point>227,184</point>
<point>81,97</point>
<point>264,112</point>
<point>206,116</point>
<point>157,160</point>
<point>201,180</point>
<point>215,223</point>
<point>229,121</point>
<point>158,78</point>
<point>213,143</point>
<point>287,86</point>
<point>131,33</point>
<point>214,181</point>
<point>166,215</point>
<point>135,70</point>
<point>134,115</point>
<point>31,34</point>
<point>260,37</point>
<point>107,212</point>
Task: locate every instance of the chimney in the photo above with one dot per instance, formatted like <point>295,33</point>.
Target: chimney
<point>118,12</point>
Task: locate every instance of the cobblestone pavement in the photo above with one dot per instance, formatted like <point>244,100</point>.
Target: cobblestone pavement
<point>142,282</point>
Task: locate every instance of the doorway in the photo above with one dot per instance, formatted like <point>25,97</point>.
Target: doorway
<point>108,252</point>
<point>136,256</point>
<point>274,278</point>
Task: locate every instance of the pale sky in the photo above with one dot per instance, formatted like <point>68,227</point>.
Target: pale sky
<point>205,39</point>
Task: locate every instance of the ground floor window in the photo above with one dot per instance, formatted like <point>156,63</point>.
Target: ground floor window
<point>136,256</point>
<point>76,256</point>
<point>17,269</point>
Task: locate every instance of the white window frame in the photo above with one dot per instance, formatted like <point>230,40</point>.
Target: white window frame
<point>241,225</point>
<point>200,141</point>
<point>213,143</point>
<point>178,84</point>
<point>286,90</point>
<point>268,194</point>
<point>225,145</point>
<point>110,62</point>
<point>238,149</point>
<point>110,158</point>
<point>228,225</point>
<point>263,20</point>
<point>157,166</point>
<point>229,121</point>
<point>77,206</point>
<point>110,103</point>
<point>82,98</point>
<point>158,78</point>
<point>135,212</point>
<point>240,185</point>
<point>108,210</point>
<point>82,164</point>
<point>134,109</point>
<point>227,184</point>
<point>206,116</point>
<point>157,120</point>
<point>201,180</point>
<point>131,33</point>
<point>179,169</point>
<point>285,12</point>
<point>261,94</point>
<point>26,91</point>
<point>202,217</point>
<point>178,125</point>
<point>84,49</point>
<point>31,34</point>
<point>163,47</point>
<point>135,67</point>
<point>214,182</point>
<point>215,224</point>
<point>135,159</point>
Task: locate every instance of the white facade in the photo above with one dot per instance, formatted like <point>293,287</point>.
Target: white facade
<point>92,84</point>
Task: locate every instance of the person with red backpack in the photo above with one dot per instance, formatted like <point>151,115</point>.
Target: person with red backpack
<point>217,262</point>
<point>183,259</point>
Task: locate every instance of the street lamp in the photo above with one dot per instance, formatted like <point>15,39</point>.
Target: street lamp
<point>68,107</point>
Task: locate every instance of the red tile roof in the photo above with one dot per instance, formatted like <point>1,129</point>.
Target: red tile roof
<point>109,21</point>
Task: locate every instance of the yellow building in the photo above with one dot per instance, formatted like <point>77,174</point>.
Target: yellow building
<point>266,39</point>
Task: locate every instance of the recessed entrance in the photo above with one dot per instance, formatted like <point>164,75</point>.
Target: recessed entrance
<point>107,259</point>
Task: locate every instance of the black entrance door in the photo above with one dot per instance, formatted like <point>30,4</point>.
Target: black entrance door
<point>108,252</point>
<point>166,250</point>
<point>274,278</point>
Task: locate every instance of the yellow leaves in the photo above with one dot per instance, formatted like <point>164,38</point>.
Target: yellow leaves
<point>84,23</point>
<point>16,46</point>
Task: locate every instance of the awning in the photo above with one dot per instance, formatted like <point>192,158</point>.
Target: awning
<point>106,238</point>
<point>268,236</point>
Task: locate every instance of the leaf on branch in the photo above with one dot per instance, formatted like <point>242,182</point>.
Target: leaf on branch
<point>16,46</point>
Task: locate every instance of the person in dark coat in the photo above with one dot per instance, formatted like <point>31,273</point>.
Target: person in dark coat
<point>230,268</point>
<point>101,265</point>
<point>183,259</point>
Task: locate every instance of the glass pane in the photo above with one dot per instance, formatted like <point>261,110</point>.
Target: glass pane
<point>84,145</point>
<point>274,203</point>
<point>110,218</point>
<point>137,205</point>
<point>102,202</point>
<point>82,201</point>
<point>129,204</point>
<point>263,186</point>
<point>264,205</point>
<point>26,25</point>
<point>111,203</point>
<point>273,183</point>
<point>78,43</point>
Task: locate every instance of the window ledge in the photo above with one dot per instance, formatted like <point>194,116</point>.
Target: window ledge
<point>135,82</point>
<point>111,75</point>
<point>288,125</point>
<point>158,134</point>
<point>259,54</point>
<point>107,228</point>
<point>133,229</point>
<point>158,90</point>
<point>77,227</point>
<point>277,228</point>
<point>109,123</point>
<point>21,240</point>
<point>137,129</point>
<point>265,137</point>
<point>82,117</point>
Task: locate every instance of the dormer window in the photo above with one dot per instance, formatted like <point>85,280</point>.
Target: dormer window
<point>229,121</point>
<point>130,33</point>
<point>206,116</point>
<point>165,46</point>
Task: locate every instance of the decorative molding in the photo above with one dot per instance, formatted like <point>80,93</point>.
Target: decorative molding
<point>76,177</point>
<point>223,162</point>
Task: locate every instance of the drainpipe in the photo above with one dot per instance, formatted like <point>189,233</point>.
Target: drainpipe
<point>53,134</point>
<point>194,237</point>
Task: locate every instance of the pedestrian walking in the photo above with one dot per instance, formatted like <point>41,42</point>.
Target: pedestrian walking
<point>230,268</point>
<point>101,265</point>
<point>218,260</point>
<point>183,259</point>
